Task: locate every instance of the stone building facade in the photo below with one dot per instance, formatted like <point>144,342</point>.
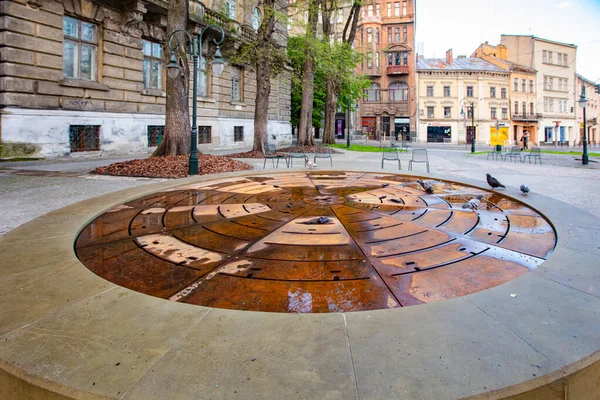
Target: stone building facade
<point>446,89</point>
<point>386,37</point>
<point>592,114</point>
<point>88,77</point>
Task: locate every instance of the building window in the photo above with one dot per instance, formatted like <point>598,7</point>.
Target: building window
<point>551,105</point>
<point>503,92</point>
<point>377,10</point>
<point>373,93</point>
<point>550,83</point>
<point>397,34</point>
<point>545,104</point>
<point>505,113</point>
<point>80,49</point>
<point>430,112</point>
<point>404,8</point>
<point>531,86</point>
<point>516,107</point>
<point>446,91</point>
<point>256,18</point>
<point>566,84</point>
<point>236,84</point>
<point>430,91</point>
<point>565,60</point>
<point>377,35</point>
<point>493,112</point>
<point>84,138</point>
<point>370,10</point>
<point>203,78</point>
<point>155,134</point>
<point>560,84</point>
<point>389,9</point>
<point>397,57</point>
<point>152,65</point>
<point>377,62</point>
<point>544,56</point>
<point>531,108</point>
<point>389,35</point>
<point>469,91</point>
<point>524,108</point>
<point>369,35</point>
<point>447,112</point>
<point>238,133</point>
<point>230,6</point>
<point>516,87</point>
<point>469,113</point>
<point>559,58</point>
<point>396,9</point>
<point>550,58</point>
<point>492,92</point>
<point>390,58</point>
<point>398,91</point>
<point>369,60</point>
<point>405,57</point>
<point>524,85</point>
<point>205,136</point>
<point>404,34</point>
<point>545,83</point>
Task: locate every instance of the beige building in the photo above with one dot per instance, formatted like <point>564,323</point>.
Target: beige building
<point>522,93</point>
<point>555,84</point>
<point>592,121</point>
<point>448,86</point>
<point>88,77</point>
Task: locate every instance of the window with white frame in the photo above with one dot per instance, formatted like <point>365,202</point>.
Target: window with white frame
<point>516,85</point>
<point>469,91</point>
<point>524,107</point>
<point>565,60</point>
<point>373,93</point>
<point>560,84</point>
<point>550,83</point>
<point>389,35</point>
<point>446,91</point>
<point>236,84</point>
<point>404,34</point>
<point>404,7</point>
<point>531,86</point>
<point>377,61</point>
<point>369,60</point>
<point>524,85</point>
<point>377,10</point>
<point>396,9</point>
<point>377,35</point>
<point>80,49</point>
<point>493,92</point>
<point>531,108</point>
<point>546,104</point>
<point>152,65</point>
<point>503,92</point>
<point>390,58</point>
<point>551,105</point>
<point>430,91</point>
<point>505,113</point>
<point>389,9</point>
<point>516,107</point>
<point>370,10</point>
<point>230,8</point>
<point>369,35</point>
<point>544,56</point>
<point>447,112</point>
<point>430,112</point>
<point>550,58</point>
<point>493,112</point>
<point>397,34</point>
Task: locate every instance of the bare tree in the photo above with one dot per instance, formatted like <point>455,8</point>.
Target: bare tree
<point>176,139</point>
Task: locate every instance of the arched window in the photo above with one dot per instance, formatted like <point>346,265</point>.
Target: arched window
<point>256,18</point>
<point>398,91</point>
<point>373,93</point>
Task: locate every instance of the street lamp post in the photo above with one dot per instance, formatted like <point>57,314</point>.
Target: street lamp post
<point>471,106</point>
<point>348,125</point>
<point>174,68</point>
<point>583,102</point>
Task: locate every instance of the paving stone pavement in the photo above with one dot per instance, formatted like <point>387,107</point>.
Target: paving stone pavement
<point>31,189</point>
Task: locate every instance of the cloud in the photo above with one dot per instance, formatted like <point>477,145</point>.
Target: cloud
<point>564,4</point>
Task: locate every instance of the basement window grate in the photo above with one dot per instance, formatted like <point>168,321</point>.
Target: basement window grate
<point>84,138</point>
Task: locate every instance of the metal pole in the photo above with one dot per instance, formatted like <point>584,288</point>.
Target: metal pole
<point>193,163</point>
<point>472,128</point>
<point>584,158</point>
<point>348,125</point>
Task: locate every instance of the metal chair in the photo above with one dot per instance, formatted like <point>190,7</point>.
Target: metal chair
<point>390,155</point>
<point>534,153</point>
<point>495,154</point>
<point>291,156</point>
<point>419,156</point>
<point>514,152</point>
<point>271,153</point>
<point>326,154</point>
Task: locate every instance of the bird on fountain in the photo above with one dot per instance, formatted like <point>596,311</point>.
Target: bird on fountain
<point>311,164</point>
<point>524,189</point>
<point>427,187</point>
<point>493,182</point>
<point>474,203</point>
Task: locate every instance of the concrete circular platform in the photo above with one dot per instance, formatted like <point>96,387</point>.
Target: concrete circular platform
<point>315,242</point>
<point>68,333</point>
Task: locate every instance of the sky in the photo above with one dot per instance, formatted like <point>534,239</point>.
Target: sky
<point>462,25</point>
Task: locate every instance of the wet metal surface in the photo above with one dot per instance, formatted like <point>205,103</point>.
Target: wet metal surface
<point>315,242</point>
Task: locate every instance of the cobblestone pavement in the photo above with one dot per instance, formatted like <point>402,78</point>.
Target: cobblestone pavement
<point>31,189</point>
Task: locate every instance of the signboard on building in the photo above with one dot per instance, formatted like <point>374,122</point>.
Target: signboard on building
<point>498,137</point>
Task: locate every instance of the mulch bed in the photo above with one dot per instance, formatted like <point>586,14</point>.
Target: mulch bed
<point>293,149</point>
<point>172,167</point>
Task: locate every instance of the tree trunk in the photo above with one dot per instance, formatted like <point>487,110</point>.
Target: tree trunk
<point>263,76</point>
<point>305,137</point>
<point>333,91</point>
<point>176,139</point>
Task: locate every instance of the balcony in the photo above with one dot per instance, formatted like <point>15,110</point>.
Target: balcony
<point>526,117</point>
<point>397,70</point>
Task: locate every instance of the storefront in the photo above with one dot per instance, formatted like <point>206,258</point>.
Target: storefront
<point>369,126</point>
<point>439,134</point>
<point>402,128</point>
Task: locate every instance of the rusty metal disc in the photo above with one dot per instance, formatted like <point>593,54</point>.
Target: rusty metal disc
<point>315,242</point>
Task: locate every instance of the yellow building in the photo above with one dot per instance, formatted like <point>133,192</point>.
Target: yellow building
<point>524,115</point>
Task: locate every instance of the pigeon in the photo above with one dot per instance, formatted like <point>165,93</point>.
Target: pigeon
<point>426,186</point>
<point>311,164</point>
<point>493,182</point>
<point>524,189</point>
<point>474,203</point>
<point>319,187</point>
<point>319,221</point>
<point>385,184</point>
<point>288,205</point>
